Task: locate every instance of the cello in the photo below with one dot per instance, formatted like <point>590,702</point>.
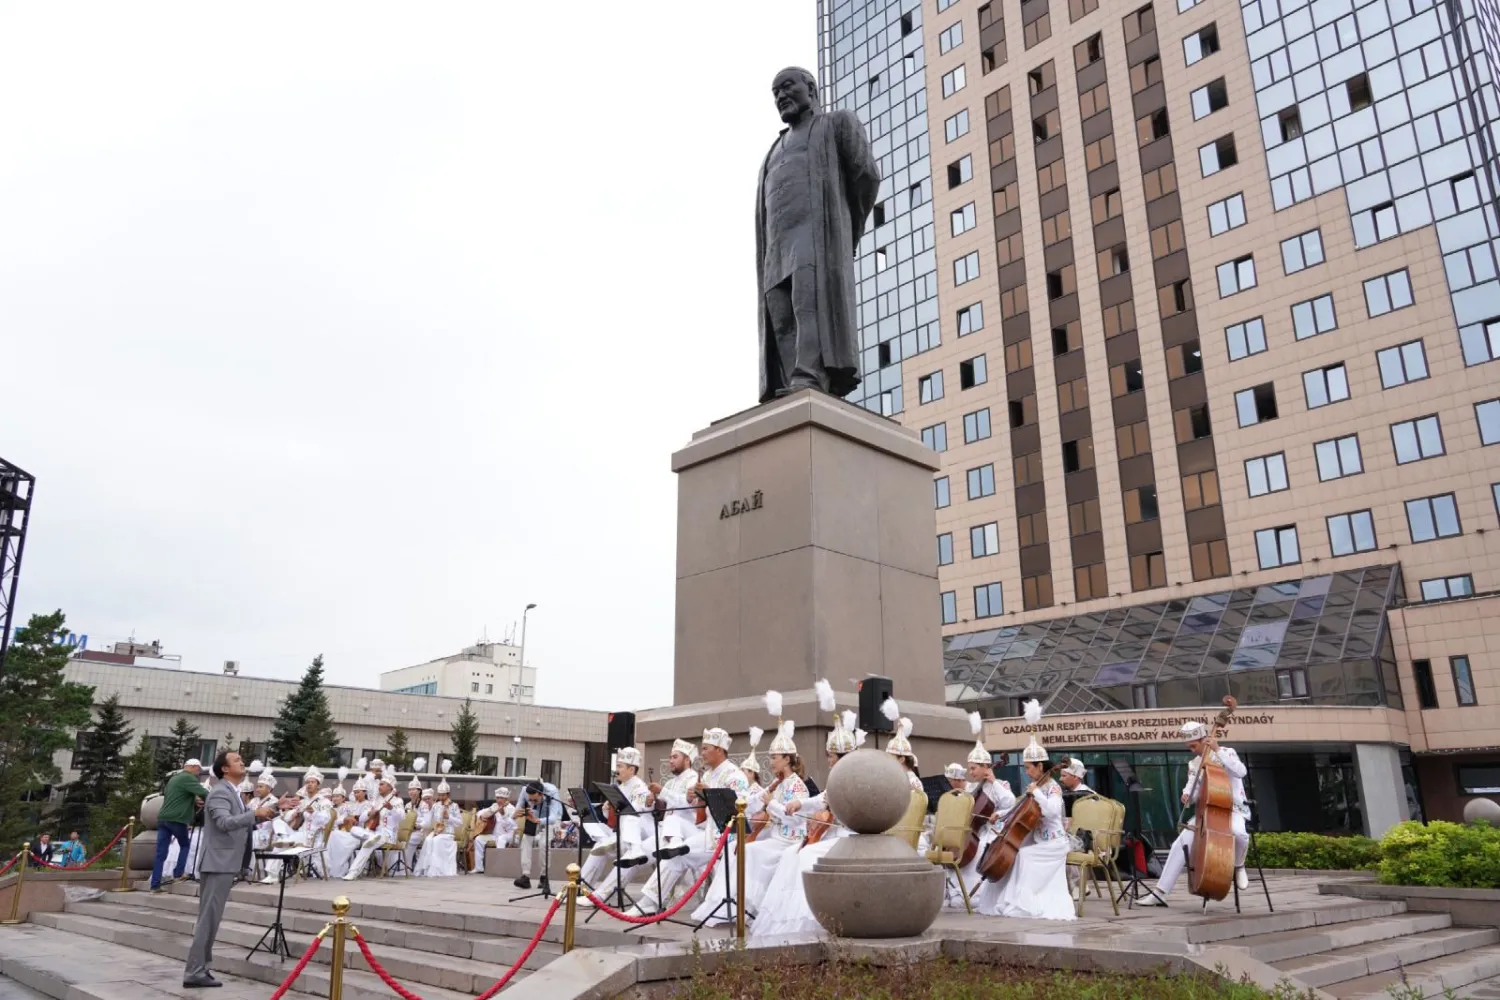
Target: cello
<point>984,808</point>
<point>1024,817</point>
<point>1211,858</point>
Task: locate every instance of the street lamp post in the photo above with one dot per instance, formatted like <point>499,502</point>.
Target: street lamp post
<point>515,749</point>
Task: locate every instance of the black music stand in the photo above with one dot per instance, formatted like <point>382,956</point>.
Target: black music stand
<point>290,860</point>
<point>584,807</point>
<point>935,788</point>
<point>622,808</point>
<point>546,886</point>
<point>1136,887</point>
<point>721,808</point>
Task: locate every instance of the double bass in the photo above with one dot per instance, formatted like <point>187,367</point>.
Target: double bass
<point>1211,858</point>
<point>1024,817</point>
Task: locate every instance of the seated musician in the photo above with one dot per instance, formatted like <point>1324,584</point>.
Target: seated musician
<point>386,810</point>
<point>958,776</point>
<point>502,829</point>
<point>1037,883</point>
<point>900,748</point>
<point>439,857</point>
<point>1199,741</point>
<point>342,842</point>
<point>633,834</point>
<point>420,800</point>
<point>1074,788</point>
<point>982,781</point>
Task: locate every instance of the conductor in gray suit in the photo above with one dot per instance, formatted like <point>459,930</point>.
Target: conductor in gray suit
<point>227,825</point>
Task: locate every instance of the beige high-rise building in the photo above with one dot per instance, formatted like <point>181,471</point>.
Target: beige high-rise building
<point>1199,304</point>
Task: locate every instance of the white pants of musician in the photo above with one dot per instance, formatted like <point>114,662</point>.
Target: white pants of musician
<point>1183,845</point>
<point>374,842</point>
<point>482,844</point>
<point>412,846</point>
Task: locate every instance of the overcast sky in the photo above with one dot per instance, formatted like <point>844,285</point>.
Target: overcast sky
<point>352,328</point>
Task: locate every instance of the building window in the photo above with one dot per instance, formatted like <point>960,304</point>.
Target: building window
<point>515,767</point>
<point>1031,529</point>
<point>930,387</point>
<point>1141,505</point>
<point>1148,570</point>
<point>984,540</point>
<point>1417,439</point>
<point>1236,275</point>
<point>489,689</point>
<point>1217,155</point>
<point>1083,517</point>
<point>982,482</point>
<point>1302,251</point>
<point>1350,533</point>
<point>1200,489</point>
<point>949,601</point>
<point>1277,546</point>
<point>1266,474</point>
<point>936,437</point>
<point>1210,559</point>
<point>970,318</point>
<point>1037,31</point>
<point>1078,455</point>
<point>1291,683</point>
<point>951,36</point>
<point>1036,591</point>
<point>1184,359</point>
<point>1338,457</point>
<point>1488,416</point>
<point>957,125</point>
<point>1433,517</point>
<point>1018,356</point>
<point>1478,779</point>
<point>473,687</point>
<point>972,372</point>
<point>1022,411</point>
<point>1200,44</point>
<point>1313,317</point>
<point>1256,405</point>
<point>1326,385</point>
<point>966,268</point>
<point>1126,378</point>
<point>940,494</point>
<point>1246,338</point>
<point>961,220</point>
<point>1463,680</point>
<point>1421,672</point>
<point>1226,214</point>
<point>1088,51</point>
<point>1191,423</point>
<point>1133,439</point>
<point>1357,90</point>
<point>1143,696</point>
<point>1210,98</point>
<point>960,172</point>
<point>1376,224</point>
<point>1170,299</point>
<point>1443,587</point>
<point>1481,341</point>
<point>953,80</point>
<point>1401,364</point>
<point>1090,582</point>
<point>1161,181</point>
<point>1388,292</point>
<point>976,425</point>
<point>945,548</point>
<point>988,601</point>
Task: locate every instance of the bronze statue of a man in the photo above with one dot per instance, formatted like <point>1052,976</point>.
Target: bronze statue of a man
<point>817,187</point>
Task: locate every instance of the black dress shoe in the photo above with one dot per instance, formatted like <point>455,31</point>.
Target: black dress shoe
<point>668,853</point>
<point>202,982</point>
<point>522,883</point>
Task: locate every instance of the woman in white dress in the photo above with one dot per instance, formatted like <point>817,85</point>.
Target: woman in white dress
<point>1037,884</point>
<point>439,856</point>
<point>341,842</point>
<point>900,748</point>
<point>783,831</point>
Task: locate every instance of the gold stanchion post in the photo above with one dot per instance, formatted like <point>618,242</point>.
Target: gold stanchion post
<point>739,871</point>
<point>336,960</point>
<point>125,885</point>
<point>15,892</point>
<point>570,902</point>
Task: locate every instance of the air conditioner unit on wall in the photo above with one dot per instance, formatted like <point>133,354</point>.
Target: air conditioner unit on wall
<point>232,667</point>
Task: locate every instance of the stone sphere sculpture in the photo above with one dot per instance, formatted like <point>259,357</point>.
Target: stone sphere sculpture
<point>1485,809</point>
<point>872,885</point>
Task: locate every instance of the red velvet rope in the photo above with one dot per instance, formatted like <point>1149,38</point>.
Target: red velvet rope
<point>11,863</point>
<point>307,955</point>
<point>668,914</point>
<point>406,994</point>
<point>87,864</point>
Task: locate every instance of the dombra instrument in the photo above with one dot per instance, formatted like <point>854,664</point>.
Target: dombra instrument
<point>1024,817</point>
<point>984,808</point>
<point>1211,859</point>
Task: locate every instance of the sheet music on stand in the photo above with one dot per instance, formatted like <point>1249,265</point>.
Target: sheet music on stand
<point>615,798</point>
<point>720,802</point>
<point>936,787</point>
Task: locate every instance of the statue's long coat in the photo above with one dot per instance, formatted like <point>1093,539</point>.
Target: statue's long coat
<point>845,182</point>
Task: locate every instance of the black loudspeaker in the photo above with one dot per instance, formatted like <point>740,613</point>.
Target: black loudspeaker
<point>873,691</point>
<point>621,730</point>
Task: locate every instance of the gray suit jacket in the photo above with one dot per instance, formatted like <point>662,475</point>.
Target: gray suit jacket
<point>227,826</point>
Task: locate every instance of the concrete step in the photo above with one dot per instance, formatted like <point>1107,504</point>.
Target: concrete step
<point>441,943</point>
<point>1228,927</point>
<point>58,965</point>
<point>1431,977</point>
<point>1357,961</point>
<point>1488,989</point>
<point>1277,947</point>
<point>230,956</point>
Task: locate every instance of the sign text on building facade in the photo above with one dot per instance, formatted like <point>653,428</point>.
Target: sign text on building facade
<point>734,508</point>
<point>1128,729</point>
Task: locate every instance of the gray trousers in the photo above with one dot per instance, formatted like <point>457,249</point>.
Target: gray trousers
<point>213,893</point>
<point>792,315</point>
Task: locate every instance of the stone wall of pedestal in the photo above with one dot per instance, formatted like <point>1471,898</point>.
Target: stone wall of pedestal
<point>805,550</point>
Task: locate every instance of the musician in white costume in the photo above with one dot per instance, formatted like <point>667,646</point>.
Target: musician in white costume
<point>1037,883</point>
<point>900,748</point>
<point>783,831</point>
<point>264,796</point>
<point>598,870</point>
<point>371,779</point>
<point>982,781</point>
<point>389,807</point>
<point>342,841</point>
<point>420,800</point>
<point>439,857</point>
<point>297,827</point>
<point>505,826</point>
<point>1200,741</point>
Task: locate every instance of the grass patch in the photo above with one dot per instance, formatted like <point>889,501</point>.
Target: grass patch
<point>948,979</point>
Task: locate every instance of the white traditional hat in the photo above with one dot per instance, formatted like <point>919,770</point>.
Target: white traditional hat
<point>267,780</point>
<point>750,763</point>
<point>1075,768</point>
<point>783,742</point>
<point>503,792</point>
<point>717,738</point>
<point>843,738</point>
<point>339,791</point>
<point>313,774</point>
<point>246,788</point>
<point>386,779</point>
<point>377,762</point>
<point>629,756</point>
<point>979,755</point>
<point>413,783</point>
<point>1191,731</point>
<point>1034,753</point>
<point>193,762</point>
<point>427,793</point>
<point>688,750</point>
<point>443,788</point>
<point>955,772</point>
<point>900,744</point>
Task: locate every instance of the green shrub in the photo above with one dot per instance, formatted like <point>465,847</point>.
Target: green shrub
<point>1313,851</point>
<point>1441,854</point>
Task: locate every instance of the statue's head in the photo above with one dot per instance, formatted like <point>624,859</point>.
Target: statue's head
<point>796,93</point>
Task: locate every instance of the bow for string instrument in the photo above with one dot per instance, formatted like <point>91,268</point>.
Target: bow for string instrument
<point>1211,858</point>
<point>1024,817</point>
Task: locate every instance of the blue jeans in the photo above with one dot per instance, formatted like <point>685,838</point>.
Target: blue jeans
<point>165,834</point>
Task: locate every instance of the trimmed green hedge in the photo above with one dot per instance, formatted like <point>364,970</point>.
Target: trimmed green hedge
<point>1314,851</point>
<point>1452,855</point>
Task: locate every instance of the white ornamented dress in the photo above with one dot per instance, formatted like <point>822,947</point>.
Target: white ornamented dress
<point>784,911</point>
<point>1037,885</point>
<point>439,855</point>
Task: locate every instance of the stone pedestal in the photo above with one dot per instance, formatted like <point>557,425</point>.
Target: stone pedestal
<point>805,550</point>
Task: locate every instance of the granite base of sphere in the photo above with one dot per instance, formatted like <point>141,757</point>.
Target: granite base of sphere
<point>1482,809</point>
<point>874,886</point>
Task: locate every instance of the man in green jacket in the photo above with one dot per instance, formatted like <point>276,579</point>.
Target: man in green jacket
<point>179,802</point>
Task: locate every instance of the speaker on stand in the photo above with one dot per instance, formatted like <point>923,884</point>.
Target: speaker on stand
<point>873,691</point>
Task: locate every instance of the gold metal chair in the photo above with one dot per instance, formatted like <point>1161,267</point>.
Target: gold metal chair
<point>388,865</point>
<point>950,832</point>
<point>1104,820</point>
<point>909,827</point>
